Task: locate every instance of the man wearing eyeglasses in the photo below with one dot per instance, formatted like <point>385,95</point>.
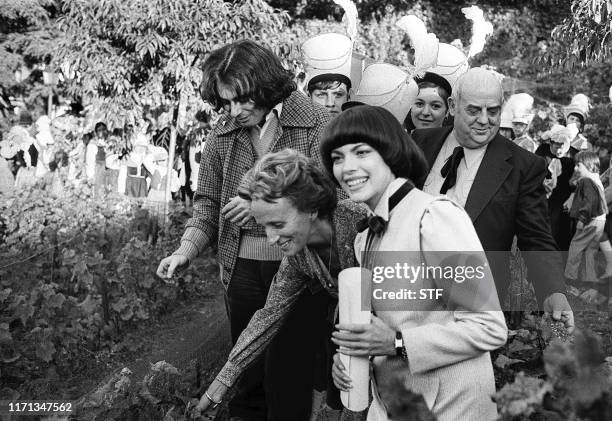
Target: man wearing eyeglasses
<point>263,113</point>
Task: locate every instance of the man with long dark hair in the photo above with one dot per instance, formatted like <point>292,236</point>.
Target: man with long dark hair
<point>263,113</point>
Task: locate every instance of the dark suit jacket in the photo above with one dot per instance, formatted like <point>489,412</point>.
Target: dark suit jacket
<point>508,199</point>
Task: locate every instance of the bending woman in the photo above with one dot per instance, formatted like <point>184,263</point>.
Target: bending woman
<point>440,349</point>
<point>296,203</point>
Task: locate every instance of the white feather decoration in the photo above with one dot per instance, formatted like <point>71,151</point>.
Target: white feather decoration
<point>413,26</point>
<point>480,29</point>
<point>425,43</point>
<point>350,17</point>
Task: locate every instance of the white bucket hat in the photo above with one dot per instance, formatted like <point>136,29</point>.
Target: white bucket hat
<point>579,105</point>
<point>522,106</point>
<point>452,63</point>
<point>506,116</point>
<point>358,64</point>
<point>328,56</point>
<point>387,86</point>
<point>157,153</point>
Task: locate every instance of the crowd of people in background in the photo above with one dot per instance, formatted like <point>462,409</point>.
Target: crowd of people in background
<point>437,155</point>
<point>132,161</point>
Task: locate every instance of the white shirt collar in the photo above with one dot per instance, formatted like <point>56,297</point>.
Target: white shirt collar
<point>471,157</point>
<point>382,208</point>
<point>278,109</point>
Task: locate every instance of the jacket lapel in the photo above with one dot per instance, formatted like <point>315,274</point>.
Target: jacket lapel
<point>278,134</point>
<point>431,145</point>
<point>493,171</point>
<point>298,111</point>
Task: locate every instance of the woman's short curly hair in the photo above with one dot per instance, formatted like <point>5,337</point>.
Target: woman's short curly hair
<point>380,129</point>
<point>253,72</point>
<point>289,174</point>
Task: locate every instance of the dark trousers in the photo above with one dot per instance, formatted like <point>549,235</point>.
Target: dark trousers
<point>289,363</point>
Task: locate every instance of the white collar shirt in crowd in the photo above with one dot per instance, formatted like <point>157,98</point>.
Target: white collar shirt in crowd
<point>274,112</point>
<point>466,172</point>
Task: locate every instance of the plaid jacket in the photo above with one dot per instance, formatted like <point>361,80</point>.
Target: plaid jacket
<point>228,154</point>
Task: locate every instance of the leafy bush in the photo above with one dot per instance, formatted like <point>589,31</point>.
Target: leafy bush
<point>576,386</point>
<point>76,279</point>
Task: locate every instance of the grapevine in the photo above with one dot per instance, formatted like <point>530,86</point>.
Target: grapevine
<point>75,279</point>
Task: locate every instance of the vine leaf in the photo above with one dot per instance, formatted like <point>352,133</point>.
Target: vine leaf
<point>56,300</point>
<point>5,335</point>
<point>502,361</point>
<point>45,350</point>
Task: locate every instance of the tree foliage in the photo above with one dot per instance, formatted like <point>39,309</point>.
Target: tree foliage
<point>323,9</point>
<point>521,38</point>
<point>126,56</point>
<point>134,57</point>
<point>584,37</point>
<point>27,38</point>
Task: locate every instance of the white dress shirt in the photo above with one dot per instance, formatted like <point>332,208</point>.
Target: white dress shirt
<point>466,172</point>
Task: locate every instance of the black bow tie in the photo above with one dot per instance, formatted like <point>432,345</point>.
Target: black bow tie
<point>449,170</point>
<point>376,223</point>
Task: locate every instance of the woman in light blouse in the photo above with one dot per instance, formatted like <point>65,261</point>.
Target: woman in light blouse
<point>440,347</point>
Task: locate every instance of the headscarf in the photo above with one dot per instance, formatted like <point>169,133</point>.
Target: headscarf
<point>559,134</point>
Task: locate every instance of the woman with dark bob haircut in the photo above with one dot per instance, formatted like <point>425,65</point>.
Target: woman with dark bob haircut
<point>377,127</point>
<point>296,203</point>
<point>437,346</point>
<point>250,70</point>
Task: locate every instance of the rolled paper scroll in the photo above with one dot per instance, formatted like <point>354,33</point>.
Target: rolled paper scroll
<point>350,311</point>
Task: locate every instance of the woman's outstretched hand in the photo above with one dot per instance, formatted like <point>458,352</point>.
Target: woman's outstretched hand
<point>210,399</point>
